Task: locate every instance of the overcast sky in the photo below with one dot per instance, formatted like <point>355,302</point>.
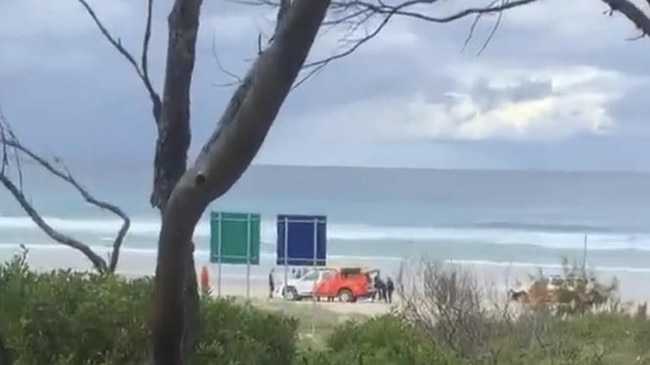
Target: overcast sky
<point>559,87</point>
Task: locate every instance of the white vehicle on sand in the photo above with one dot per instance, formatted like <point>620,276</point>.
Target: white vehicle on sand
<point>302,287</point>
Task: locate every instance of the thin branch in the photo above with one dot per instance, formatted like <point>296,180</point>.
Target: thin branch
<point>493,31</point>
<point>355,13</point>
<point>145,49</point>
<point>402,9</point>
<point>390,11</point>
<point>142,70</point>
<point>96,260</point>
<point>4,164</point>
<point>6,132</point>
<point>470,33</point>
<point>237,79</point>
<point>65,175</point>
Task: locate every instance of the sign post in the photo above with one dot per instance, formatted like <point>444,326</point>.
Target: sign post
<point>248,256</point>
<point>302,241</point>
<point>234,240</point>
<point>219,256</point>
<point>314,263</point>
<point>286,256</point>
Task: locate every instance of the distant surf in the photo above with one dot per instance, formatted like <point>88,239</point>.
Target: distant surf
<point>145,230</point>
<point>269,258</point>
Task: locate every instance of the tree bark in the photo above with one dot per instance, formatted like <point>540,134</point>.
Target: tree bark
<point>222,161</point>
<point>172,117</point>
<point>173,142</point>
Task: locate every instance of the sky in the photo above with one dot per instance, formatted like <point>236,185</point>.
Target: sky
<point>560,86</point>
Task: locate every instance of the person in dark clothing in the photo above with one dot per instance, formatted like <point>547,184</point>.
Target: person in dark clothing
<point>380,289</point>
<point>375,287</point>
<point>271,284</point>
<point>390,288</point>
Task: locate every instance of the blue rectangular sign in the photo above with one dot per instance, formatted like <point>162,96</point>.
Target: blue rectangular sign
<point>302,240</point>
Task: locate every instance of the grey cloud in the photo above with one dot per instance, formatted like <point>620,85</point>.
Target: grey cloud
<point>488,96</point>
<point>83,111</point>
<point>530,90</point>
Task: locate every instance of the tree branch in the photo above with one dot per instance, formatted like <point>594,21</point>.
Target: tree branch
<point>632,13</point>
<point>96,260</point>
<point>10,141</point>
<point>65,175</point>
<point>493,31</point>
<point>215,55</point>
<point>365,10</point>
<point>223,160</point>
<point>356,13</point>
<point>142,69</point>
<point>6,132</point>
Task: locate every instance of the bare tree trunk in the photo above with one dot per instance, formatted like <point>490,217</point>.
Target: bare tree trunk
<point>222,161</point>
<point>172,116</point>
<point>174,136</point>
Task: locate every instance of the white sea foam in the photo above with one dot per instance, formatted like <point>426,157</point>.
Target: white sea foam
<point>148,253</point>
<point>102,229</point>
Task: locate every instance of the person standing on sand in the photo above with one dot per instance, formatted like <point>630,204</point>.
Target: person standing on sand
<point>271,283</point>
<point>390,288</point>
<point>380,289</point>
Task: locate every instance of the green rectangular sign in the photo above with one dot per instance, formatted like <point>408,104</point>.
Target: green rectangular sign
<point>235,238</point>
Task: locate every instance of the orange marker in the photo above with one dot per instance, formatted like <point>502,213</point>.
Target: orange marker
<point>205,279</point>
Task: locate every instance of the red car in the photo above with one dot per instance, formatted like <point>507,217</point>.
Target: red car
<point>346,284</point>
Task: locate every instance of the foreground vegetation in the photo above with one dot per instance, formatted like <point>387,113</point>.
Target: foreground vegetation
<point>66,318</point>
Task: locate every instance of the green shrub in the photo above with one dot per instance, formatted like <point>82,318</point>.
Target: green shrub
<point>243,334</point>
<point>453,311</point>
<point>67,318</point>
<point>64,317</point>
<point>383,340</point>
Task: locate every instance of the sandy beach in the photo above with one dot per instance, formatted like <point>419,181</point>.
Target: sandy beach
<point>495,278</point>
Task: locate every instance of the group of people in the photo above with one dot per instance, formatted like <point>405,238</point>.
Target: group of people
<point>383,289</point>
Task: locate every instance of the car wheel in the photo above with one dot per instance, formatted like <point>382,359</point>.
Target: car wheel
<point>290,293</point>
<point>346,296</point>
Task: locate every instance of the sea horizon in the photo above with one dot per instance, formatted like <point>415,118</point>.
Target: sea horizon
<point>380,216</point>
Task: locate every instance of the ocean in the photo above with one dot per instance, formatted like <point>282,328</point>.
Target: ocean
<point>377,216</point>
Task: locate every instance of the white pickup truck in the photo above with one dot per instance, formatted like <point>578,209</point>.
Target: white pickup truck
<point>302,287</point>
